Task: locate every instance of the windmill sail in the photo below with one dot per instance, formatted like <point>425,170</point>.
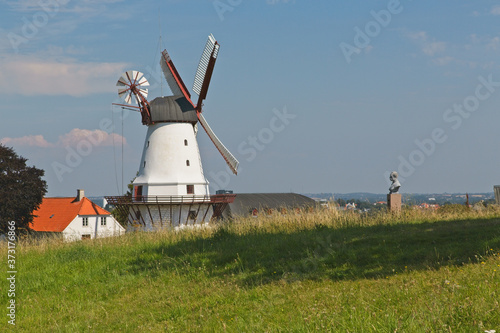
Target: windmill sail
<point>205,69</point>
<point>201,83</point>
<point>231,161</point>
<point>132,83</point>
<point>172,76</point>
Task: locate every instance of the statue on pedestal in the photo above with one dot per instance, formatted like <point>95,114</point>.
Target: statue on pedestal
<point>395,183</point>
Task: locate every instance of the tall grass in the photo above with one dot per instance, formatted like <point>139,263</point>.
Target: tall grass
<point>418,271</point>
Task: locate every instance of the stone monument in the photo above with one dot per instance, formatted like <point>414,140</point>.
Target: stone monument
<point>394,198</point>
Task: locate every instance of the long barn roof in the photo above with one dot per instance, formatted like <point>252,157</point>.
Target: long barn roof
<point>244,203</point>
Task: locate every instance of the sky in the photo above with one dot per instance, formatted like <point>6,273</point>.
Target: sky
<point>310,96</point>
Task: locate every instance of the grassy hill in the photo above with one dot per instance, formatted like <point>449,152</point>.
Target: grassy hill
<point>324,271</point>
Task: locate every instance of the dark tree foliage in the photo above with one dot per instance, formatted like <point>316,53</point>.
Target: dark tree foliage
<point>21,190</point>
<point>120,215</point>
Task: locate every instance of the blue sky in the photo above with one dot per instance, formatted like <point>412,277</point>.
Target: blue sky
<point>311,97</point>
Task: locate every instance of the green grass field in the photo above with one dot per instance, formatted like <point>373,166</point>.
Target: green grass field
<point>324,271</point>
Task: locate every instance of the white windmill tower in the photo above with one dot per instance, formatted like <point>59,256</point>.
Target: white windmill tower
<point>170,174</point>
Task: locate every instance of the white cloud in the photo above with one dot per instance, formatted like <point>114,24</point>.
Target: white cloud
<point>493,44</point>
<point>418,36</point>
<point>475,39</point>
<point>483,42</point>
<point>96,137</point>
<point>30,76</point>
<point>433,48</point>
<point>24,5</point>
<point>31,141</point>
<point>68,5</point>
<point>275,2</point>
<point>429,46</point>
<point>495,10</point>
<point>44,20</point>
<point>442,61</point>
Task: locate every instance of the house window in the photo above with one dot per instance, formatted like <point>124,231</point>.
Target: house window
<point>187,162</point>
<point>185,142</point>
<point>85,221</point>
<point>86,236</point>
<point>190,189</point>
<point>192,215</point>
<point>103,220</point>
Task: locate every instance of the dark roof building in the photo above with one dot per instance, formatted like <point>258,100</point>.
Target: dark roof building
<point>248,204</point>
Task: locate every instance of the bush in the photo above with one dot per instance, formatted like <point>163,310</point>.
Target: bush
<point>453,209</point>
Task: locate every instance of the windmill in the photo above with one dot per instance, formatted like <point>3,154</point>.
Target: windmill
<point>171,173</point>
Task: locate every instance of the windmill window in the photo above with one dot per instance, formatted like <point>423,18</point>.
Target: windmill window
<point>190,189</point>
<point>148,144</point>
<point>138,192</point>
<point>85,221</point>
<point>192,215</point>
<point>144,163</point>
<point>185,142</point>
<point>187,162</point>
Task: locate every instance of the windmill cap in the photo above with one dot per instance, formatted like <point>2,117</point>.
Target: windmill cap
<point>172,109</point>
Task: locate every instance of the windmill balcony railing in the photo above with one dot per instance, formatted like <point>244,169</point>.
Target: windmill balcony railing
<point>173,199</point>
<point>170,198</point>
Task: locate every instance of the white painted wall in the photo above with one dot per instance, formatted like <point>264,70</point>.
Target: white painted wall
<point>163,170</point>
<point>75,229</point>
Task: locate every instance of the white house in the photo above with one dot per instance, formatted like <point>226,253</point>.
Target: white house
<point>75,218</point>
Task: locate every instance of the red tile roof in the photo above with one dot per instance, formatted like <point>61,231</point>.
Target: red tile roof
<point>55,214</point>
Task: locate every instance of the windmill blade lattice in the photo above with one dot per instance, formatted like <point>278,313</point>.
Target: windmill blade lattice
<point>231,161</point>
<point>131,84</point>
<point>208,56</point>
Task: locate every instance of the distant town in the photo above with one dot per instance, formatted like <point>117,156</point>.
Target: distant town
<point>361,200</point>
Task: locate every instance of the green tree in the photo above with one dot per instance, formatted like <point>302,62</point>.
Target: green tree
<point>122,215</point>
<point>21,190</point>
<point>363,204</point>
